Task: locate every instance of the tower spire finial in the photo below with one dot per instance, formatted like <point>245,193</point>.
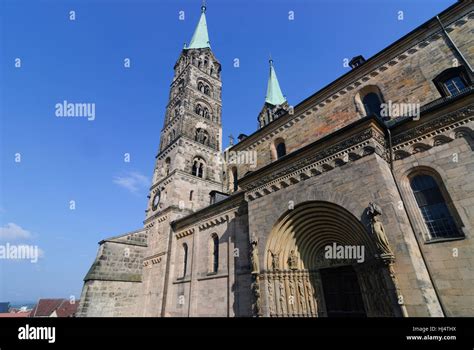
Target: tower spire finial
<point>270,59</point>
<point>274,95</point>
<point>200,37</point>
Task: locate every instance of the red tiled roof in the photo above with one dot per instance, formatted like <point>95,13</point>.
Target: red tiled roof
<point>63,308</point>
<point>67,309</point>
<point>15,314</point>
<point>45,307</point>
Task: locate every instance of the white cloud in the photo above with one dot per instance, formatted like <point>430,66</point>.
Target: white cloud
<point>132,181</point>
<point>12,231</point>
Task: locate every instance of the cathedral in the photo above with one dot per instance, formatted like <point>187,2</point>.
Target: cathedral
<point>356,202</point>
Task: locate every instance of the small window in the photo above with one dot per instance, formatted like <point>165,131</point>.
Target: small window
<point>167,166</point>
<point>214,253</point>
<point>452,81</point>
<point>181,86</point>
<point>201,136</point>
<point>235,181</point>
<point>191,195</point>
<point>198,109</point>
<point>185,259</point>
<point>372,104</point>
<point>198,167</point>
<point>200,170</point>
<point>454,85</point>
<point>280,150</point>
<point>433,207</point>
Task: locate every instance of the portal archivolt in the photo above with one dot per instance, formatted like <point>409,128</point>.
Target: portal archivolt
<point>300,280</point>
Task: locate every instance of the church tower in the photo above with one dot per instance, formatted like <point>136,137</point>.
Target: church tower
<point>275,103</point>
<point>191,138</point>
<point>188,164</point>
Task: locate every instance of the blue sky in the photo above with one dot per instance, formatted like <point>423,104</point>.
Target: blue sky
<point>64,159</point>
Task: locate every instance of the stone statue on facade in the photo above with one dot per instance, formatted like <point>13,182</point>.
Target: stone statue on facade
<point>271,305</point>
<point>275,260</point>
<point>293,261</point>
<point>282,297</point>
<point>374,212</point>
<point>311,297</point>
<point>292,296</point>
<point>302,296</point>
<point>257,305</point>
<point>254,255</point>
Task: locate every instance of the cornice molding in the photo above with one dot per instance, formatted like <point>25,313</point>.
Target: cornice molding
<point>436,126</point>
<point>184,233</point>
<point>214,222</point>
<point>319,160</point>
<point>153,260</point>
<point>212,215</point>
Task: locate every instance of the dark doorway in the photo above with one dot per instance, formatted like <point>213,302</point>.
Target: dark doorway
<point>342,292</point>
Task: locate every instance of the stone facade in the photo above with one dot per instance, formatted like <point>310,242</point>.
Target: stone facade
<point>213,245</point>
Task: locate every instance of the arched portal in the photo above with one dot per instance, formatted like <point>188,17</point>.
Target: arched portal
<point>320,260</point>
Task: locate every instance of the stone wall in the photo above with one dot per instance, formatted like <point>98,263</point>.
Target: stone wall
<point>113,284</point>
<point>450,262</point>
<point>203,291</point>
<point>402,74</point>
<point>353,186</point>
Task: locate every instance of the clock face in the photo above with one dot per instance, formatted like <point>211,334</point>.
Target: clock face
<point>156,200</point>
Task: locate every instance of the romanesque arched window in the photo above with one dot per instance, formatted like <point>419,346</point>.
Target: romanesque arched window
<point>214,253</point>
<point>167,166</point>
<point>207,90</point>
<point>205,113</point>
<point>369,100</point>
<point>235,181</point>
<point>433,207</point>
<point>198,167</point>
<point>198,109</point>
<point>201,86</point>
<point>185,259</point>
<point>280,149</point>
<point>202,136</point>
<point>211,71</point>
<point>171,136</point>
<point>372,104</point>
<point>206,62</point>
<point>181,86</point>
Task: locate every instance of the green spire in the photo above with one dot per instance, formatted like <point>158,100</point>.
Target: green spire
<point>274,94</point>
<point>200,37</point>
